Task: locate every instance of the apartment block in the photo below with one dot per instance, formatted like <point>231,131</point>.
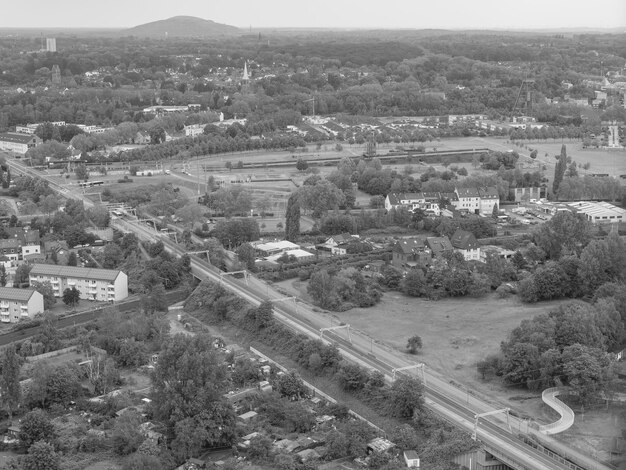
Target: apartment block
<point>16,304</point>
<point>106,285</point>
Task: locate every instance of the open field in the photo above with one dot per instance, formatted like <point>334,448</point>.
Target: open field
<point>457,333</point>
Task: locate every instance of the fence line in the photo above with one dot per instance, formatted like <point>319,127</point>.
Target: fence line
<point>58,352</point>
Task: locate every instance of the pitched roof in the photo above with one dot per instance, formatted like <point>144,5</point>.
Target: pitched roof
<point>489,193</point>
<point>439,244</point>
<point>464,240</point>
<point>23,235</point>
<point>17,138</point>
<point>9,243</point>
<point>410,245</point>
<point>394,199</point>
<point>468,192</point>
<point>342,238</point>
<point>11,293</point>
<point>74,272</point>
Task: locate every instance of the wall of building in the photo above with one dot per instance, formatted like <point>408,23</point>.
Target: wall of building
<point>12,311</point>
<point>121,286</point>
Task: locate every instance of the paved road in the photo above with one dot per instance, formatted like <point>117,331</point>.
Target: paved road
<point>456,404</point>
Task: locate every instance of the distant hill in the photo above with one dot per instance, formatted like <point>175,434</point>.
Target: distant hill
<point>182,26</point>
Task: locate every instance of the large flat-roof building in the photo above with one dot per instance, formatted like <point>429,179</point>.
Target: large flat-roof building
<point>16,304</point>
<point>107,285</point>
<point>598,212</point>
<point>17,142</point>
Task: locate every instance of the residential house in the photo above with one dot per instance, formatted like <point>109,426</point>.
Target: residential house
<point>468,200</point>
<point>338,244</point>
<point>489,197</point>
<point>194,129</point>
<point>410,252</point>
<point>465,242</point>
<point>11,249</point>
<point>439,246</point>
<point>18,143</point>
<point>59,248</point>
<point>141,138</point>
<point>16,304</point>
<point>23,241</point>
<point>94,284</point>
<point>477,200</point>
<point>6,262</point>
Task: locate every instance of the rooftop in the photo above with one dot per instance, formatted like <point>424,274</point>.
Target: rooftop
<point>74,272</point>
<point>410,245</point>
<point>281,245</point>
<point>11,293</point>
<point>17,138</point>
<point>597,208</point>
<point>464,240</point>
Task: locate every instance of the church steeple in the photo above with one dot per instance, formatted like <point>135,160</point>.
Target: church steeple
<point>245,77</point>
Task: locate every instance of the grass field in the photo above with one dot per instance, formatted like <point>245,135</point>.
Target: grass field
<point>456,333</point>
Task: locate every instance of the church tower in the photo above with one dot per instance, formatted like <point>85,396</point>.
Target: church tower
<point>245,78</point>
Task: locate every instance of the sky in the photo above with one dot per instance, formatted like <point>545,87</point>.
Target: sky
<point>385,14</point>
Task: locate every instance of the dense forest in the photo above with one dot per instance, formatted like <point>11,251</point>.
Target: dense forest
<point>107,81</point>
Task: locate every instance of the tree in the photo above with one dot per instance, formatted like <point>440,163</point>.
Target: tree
<point>495,212</point>
<point>559,170</point>
<point>126,436</point>
<point>572,171</point>
<point>406,397</point>
<point>292,219</point>
<point>48,131</point>
<point>247,256</point>
<point>82,173</point>
<point>190,214</point>
<point>320,197</point>
<point>72,259</point>
<point>10,389</point>
<point>49,204</point>
<point>99,215</point>
<point>602,261</point>
<point>36,426</point>
<point>188,382</point>
<point>3,276</point>
<point>414,343</point>
<point>564,233</point>
<point>155,299</point>
<point>302,164</point>
<point>41,456</point>
<point>45,289</point>
<point>322,289</point>
<point>588,371</point>
<point>290,385</point>
<point>415,283</point>
<point>112,256</point>
<point>157,135</point>
<point>22,275</point>
<point>71,297</point>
